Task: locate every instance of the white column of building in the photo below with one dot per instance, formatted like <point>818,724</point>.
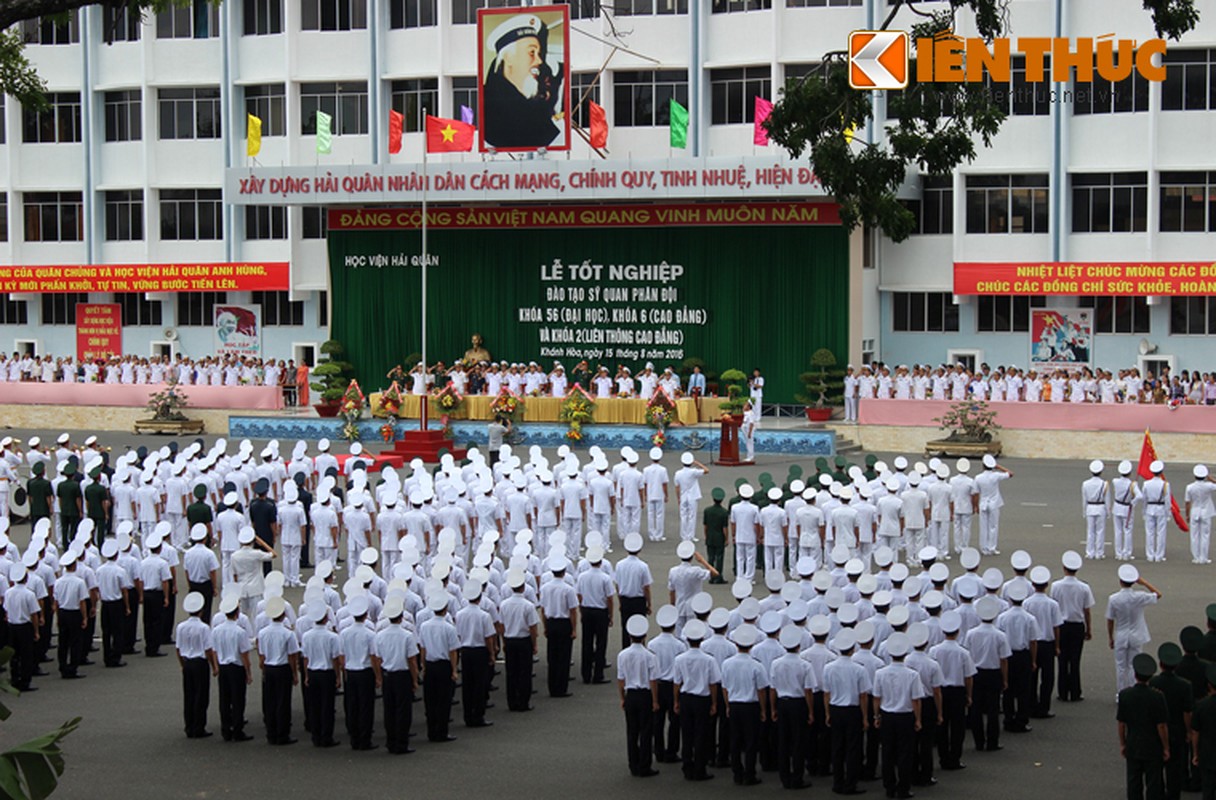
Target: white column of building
<point>93,222</point>
<point>377,125</point>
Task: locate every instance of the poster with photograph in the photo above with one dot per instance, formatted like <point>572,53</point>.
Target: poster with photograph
<point>238,330</point>
<point>523,90</point>
<point>1061,338</point>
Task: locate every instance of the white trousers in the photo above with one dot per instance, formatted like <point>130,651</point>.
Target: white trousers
<point>745,561</point>
<point>688,519</point>
<point>603,524</point>
<point>962,532</point>
<point>226,576</point>
<point>573,526</point>
<point>628,520</point>
<point>1095,535</point>
<point>291,563</point>
<point>891,542</point>
<point>748,434</point>
<point>178,521</point>
<point>773,556</point>
<point>865,551</point>
<point>914,540</point>
<point>814,554</point>
<point>850,409</point>
<point>541,543</point>
<point>388,560</point>
<point>939,536</point>
<point>990,529</point>
<point>1124,544</point>
<point>1154,532</point>
<point>329,554</point>
<point>655,512</point>
<point>1125,651</point>
<point>1201,535</point>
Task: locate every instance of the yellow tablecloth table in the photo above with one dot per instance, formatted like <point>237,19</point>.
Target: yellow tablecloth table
<point>619,411</point>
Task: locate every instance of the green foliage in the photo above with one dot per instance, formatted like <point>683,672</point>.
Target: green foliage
<point>969,421</point>
<point>734,380</point>
<point>335,375</point>
<point>824,387</point>
<point>931,127</point>
<point>31,770</point>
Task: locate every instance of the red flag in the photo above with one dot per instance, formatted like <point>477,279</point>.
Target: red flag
<point>599,125</point>
<point>395,124</point>
<point>763,109</point>
<point>448,135</point>
<point>1148,454</point>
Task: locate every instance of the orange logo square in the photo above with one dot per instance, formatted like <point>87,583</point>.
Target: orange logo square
<point>878,59</point>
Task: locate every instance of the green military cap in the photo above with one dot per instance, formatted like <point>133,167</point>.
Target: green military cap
<point>718,494</point>
<point>841,462</point>
<point>1211,611</point>
<point>1210,673</point>
<point>1144,665</point>
<point>200,491</point>
<point>821,464</point>
<point>765,479</point>
<point>39,467</point>
<point>1191,639</point>
<point>69,469</point>
<point>795,471</point>
<point>1169,654</point>
<point>871,460</point>
<point>739,482</point>
<point>95,471</point>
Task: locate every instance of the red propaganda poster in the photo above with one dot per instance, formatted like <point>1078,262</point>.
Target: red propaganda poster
<point>98,330</point>
<point>1061,338</point>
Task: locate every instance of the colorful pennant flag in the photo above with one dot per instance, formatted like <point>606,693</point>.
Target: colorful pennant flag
<point>448,135</point>
<point>763,109</point>
<point>679,125</point>
<point>599,125</point>
<point>396,123</point>
<point>253,135</point>
<point>1148,454</point>
<point>325,133</point>
<point>466,115</point>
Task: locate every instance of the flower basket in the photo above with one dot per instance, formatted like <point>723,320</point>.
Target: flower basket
<point>351,409</point>
<point>391,401</point>
<point>578,409</point>
<point>658,438</point>
<point>508,405</point>
<point>447,402</point>
<point>388,432</point>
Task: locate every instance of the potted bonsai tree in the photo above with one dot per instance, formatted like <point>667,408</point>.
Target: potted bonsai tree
<point>334,376</point>
<point>816,387</point>
<point>734,380</point>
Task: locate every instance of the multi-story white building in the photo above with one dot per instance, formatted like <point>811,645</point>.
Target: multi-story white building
<point>128,163</point>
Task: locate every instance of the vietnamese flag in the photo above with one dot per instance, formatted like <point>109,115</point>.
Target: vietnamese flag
<point>599,125</point>
<point>1148,454</point>
<point>396,123</point>
<point>448,135</point>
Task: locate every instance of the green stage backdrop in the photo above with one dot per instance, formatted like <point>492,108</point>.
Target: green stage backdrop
<point>734,296</point>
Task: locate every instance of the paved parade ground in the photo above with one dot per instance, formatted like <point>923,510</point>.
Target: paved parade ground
<point>131,742</point>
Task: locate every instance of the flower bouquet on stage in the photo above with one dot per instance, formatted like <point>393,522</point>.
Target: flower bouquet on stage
<point>578,410</point>
<point>508,405</point>
<point>660,414</point>
<point>351,409</point>
<point>390,404</point>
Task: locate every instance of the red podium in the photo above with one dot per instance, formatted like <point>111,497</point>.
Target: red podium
<point>728,447</point>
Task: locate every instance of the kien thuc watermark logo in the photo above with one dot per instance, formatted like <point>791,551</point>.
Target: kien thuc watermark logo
<point>880,59</point>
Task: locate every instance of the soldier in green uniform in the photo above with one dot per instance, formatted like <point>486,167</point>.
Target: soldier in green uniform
<point>199,513</point>
<point>97,506</point>
<point>715,519</point>
<point>1203,737</point>
<point>1194,669</point>
<point>39,490</point>
<point>1144,733</point>
<point>1180,701</point>
<point>1208,651</point>
<point>70,503</point>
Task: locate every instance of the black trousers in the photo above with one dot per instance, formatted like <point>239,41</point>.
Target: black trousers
<point>696,728</point>
<point>167,616</point>
<point>1017,699</point>
<point>67,530</point>
<point>232,700</point>
<point>207,590</point>
<point>639,722</point>
<point>953,730</point>
<point>90,631</point>
<point>25,654</point>
<point>130,624</point>
<point>629,607</point>
<point>474,683</point>
<point>846,747</point>
<point>113,631</point>
<point>1176,767</point>
<point>276,702</point>
<point>714,556</point>
<point>792,733</point>
<point>153,620</point>
<point>71,641</point>
<point>926,738</point>
<point>819,748</point>
<point>595,643</point>
<point>722,737</point>
<point>196,695</point>
<point>319,698</point>
<point>1072,641</point>
<point>1144,779</point>
<point>47,628</point>
<point>898,734</point>
<point>872,747</point>
<point>1043,683</point>
<point>517,652</point>
<point>398,691</point>
<point>986,708</point>
<point>667,725</point>
<point>437,698</point>
<point>744,740</point>
<point>558,646</point>
<point>359,703</point>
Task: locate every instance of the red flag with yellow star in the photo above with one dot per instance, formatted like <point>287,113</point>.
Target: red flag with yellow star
<point>448,135</point>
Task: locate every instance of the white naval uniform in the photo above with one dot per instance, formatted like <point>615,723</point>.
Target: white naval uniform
<point>1095,505</point>
<point>688,483</point>
<point>1126,608</point>
<point>1199,496</point>
<point>988,485</point>
<point>1124,496</point>
<point>1156,493</point>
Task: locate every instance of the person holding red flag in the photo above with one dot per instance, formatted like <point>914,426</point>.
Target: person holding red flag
<point>1156,493</point>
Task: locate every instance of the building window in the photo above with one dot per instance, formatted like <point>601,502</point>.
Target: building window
<point>584,89</point>
<point>124,116</point>
<point>263,17</point>
<point>1100,96</point>
<point>733,6</point>
<point>582,9</point>
<point>58,122</point>
<point>1118,314</point>
<point>821,3</point>
<point>60,308</point>
<point>923,312</point>
<point>196,19</point>
<point>198,308</point>
<point>1188,82</point>
<point>1019,96</point>
<point>412,14</point>
<point>279,309</point>
<point>411,97</point>
<point>3,217</point>
<point>125,215</point>
<point>1188,201</point>
<point>643,98</point>
<point>192,113</point>
<point>934,211</point>
<point>333,15</point>
<point>267,103</point>
<point>464,93</point>
<point>346,104</point>
<point>52,29</point>
<point>464,12</point>
<point>1007,203</point>
<point>136,310</point>
<point>322,309</point>
<point>733,93</point>
<point>191,215</point>
<point>265,222</point>
<point>316,222</point>
<point>1192,315</point>
<point>120,24</point>
<point>53,217</point>
<point>625,8</point>
<point>13,312</point>
<point>1005,314</point>
<point>1106,202</point>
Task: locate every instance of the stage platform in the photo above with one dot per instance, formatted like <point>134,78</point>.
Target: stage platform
<point>796,440</point>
